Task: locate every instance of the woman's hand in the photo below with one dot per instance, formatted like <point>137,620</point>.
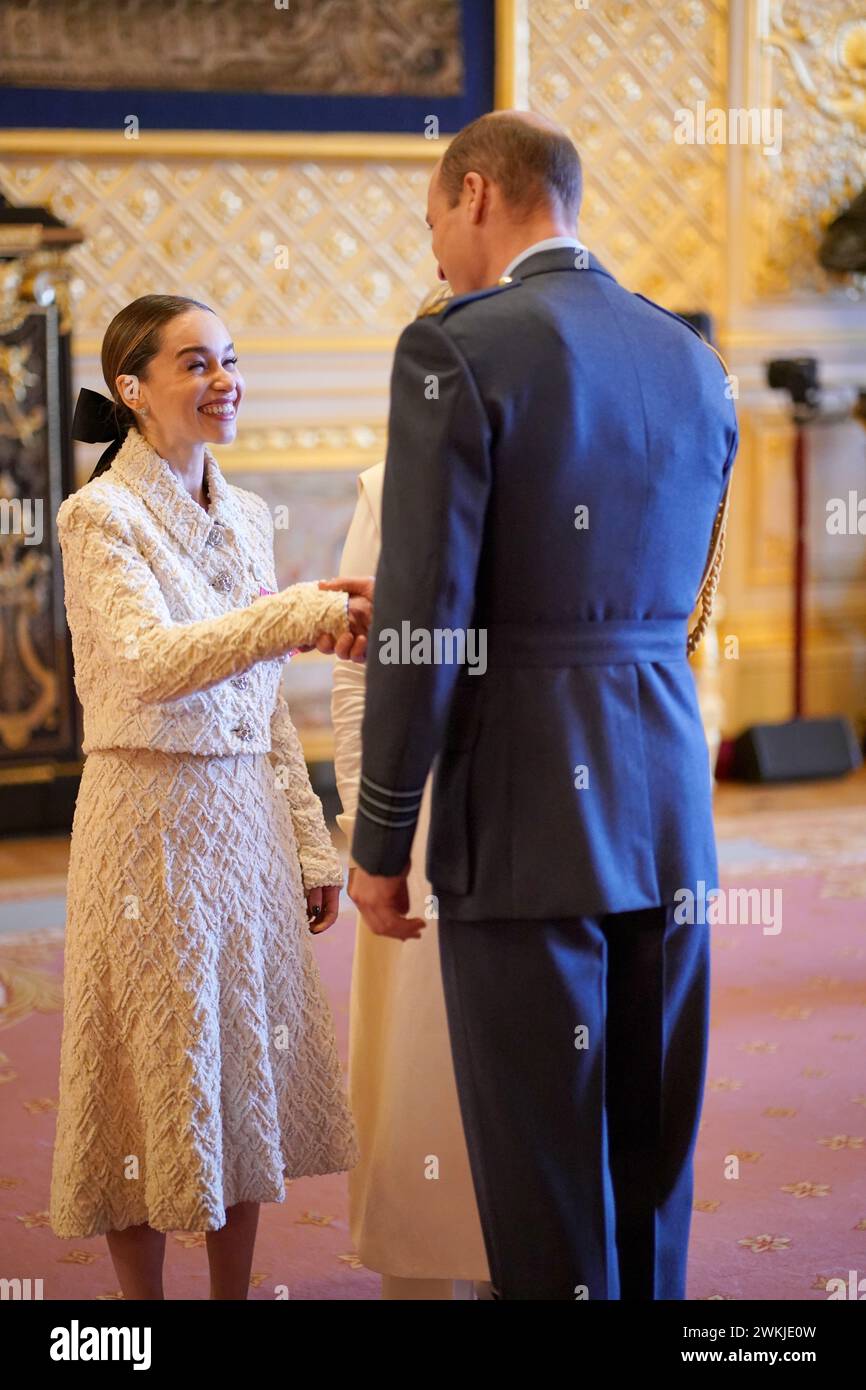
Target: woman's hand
<point>323,905</point>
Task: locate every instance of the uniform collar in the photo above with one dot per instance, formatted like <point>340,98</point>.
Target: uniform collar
<point>558,258</point>
<point>138,465</point>
<point>549,243</point>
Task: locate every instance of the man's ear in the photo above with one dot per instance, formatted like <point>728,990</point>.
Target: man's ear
<point>130,390</point>
<point>475,185</point>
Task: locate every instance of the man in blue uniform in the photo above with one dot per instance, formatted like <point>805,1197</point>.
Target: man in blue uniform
<point>557,452</point>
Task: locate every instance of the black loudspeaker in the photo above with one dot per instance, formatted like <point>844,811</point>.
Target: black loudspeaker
<point>795,751</point>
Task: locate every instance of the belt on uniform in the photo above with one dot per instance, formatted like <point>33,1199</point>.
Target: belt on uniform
<point>622,641</point>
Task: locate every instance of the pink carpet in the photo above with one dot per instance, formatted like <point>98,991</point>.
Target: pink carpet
<point>786,1080</point>
<point>785,1103</point>
<point>303,1243</point>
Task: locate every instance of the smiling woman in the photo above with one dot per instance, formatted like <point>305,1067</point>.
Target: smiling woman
<point>193,1082</point>
<point>171,363</point>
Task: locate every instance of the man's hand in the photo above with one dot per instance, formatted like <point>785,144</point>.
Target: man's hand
<point>351,645</point>
<point>383,902</point>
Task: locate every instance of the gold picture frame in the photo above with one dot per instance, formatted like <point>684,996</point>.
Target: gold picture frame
<point>510,20</point>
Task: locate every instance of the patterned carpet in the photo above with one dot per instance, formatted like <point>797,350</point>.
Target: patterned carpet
<point>780,1197</point>
<point>786,1086</point>
<point>303,1243</point>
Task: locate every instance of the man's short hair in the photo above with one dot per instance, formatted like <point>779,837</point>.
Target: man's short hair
<point>534,164</point>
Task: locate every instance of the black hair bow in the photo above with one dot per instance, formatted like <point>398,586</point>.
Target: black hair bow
<point>95,421</point>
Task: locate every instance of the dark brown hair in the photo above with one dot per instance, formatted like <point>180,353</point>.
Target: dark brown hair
<point>533,163</point>
<point>134,336</point>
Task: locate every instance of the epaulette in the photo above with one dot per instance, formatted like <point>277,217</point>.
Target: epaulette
<point>671,315</point>
<point>446,303</point>
<point>435,301</point>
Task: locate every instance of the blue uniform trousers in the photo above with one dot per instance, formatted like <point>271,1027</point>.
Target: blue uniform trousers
<point>580,1055</point>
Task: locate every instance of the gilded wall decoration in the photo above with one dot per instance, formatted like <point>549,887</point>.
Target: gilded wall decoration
<point>277,247</point>
<point>269,448</point>
<point>345,47</point>
<point>814,70</point>
<point>614,74</point>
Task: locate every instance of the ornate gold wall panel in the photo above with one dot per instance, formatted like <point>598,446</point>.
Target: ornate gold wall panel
<point>808,59</point>
<point>356,258</point>
<point>613,74</point>
<point>321,446</point>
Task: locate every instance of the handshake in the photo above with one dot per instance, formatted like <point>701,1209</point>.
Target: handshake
<point>351,645</point>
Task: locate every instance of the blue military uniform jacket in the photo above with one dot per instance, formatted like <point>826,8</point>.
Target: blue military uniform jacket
<point>557,451</point>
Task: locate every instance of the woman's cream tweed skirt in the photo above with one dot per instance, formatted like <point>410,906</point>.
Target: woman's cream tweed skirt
<point>198,1062</point>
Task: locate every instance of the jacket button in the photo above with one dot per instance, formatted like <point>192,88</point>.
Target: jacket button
<point>224,582</point>
<point>242,681</point>
<point>214,535</point>
<point>243,729</point>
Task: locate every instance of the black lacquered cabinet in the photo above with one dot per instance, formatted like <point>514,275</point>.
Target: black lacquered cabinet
<point>40,718</point>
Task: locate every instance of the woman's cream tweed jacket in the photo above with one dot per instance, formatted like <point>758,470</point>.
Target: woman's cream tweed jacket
<point>174,647</point>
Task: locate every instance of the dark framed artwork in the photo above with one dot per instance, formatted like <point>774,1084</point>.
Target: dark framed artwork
<point>247,65</point>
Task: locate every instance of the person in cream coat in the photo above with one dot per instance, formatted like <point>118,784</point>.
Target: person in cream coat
<point>198,1067</point>
<point>413,1213</point>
